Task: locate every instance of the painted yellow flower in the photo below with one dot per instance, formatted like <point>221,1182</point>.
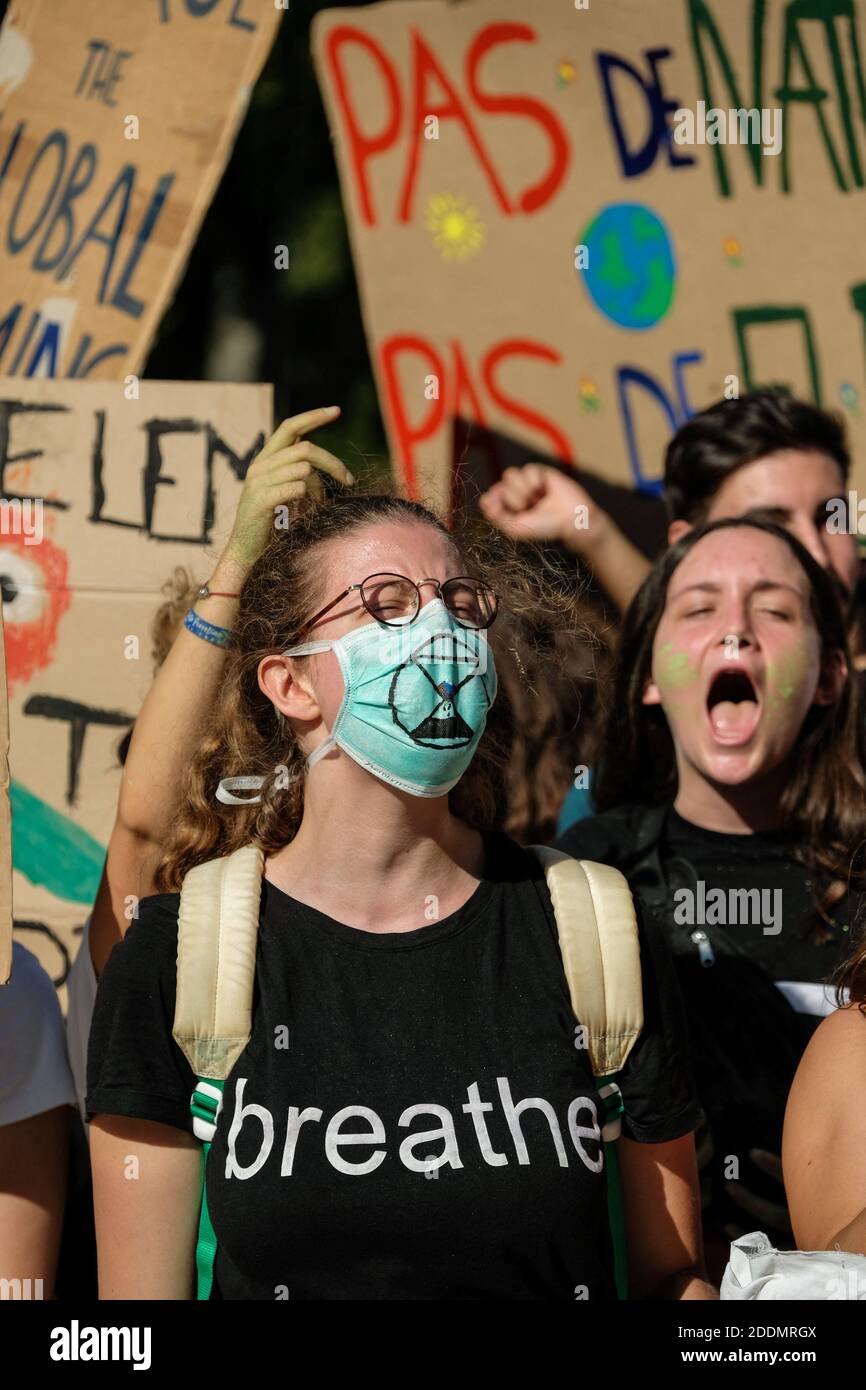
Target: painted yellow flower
<point>565,72</point>
<point>590,398</point>
<point>457,230</point>
<point>732,247</point>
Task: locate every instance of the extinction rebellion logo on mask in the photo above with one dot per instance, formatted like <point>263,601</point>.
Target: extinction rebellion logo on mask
<point>426,689</point>
<point>355,1140</point>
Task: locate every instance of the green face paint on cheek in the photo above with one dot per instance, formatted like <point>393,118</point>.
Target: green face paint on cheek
<point>786,675</point>
<point>674,670</point>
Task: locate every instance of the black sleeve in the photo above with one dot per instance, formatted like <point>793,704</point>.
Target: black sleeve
<point>657,1084</point>
<point>134,1066</point>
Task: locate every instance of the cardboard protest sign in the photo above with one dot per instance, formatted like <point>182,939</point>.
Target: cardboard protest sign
<point>5,825</point>
<point>117,120</point>
<point>548,246</point>
<point>101,497</point>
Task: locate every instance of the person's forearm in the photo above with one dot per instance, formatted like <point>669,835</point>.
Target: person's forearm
<point>128,875</point>
<point>33,1176</point>
<point>152,782</point>
<point>185,690</point>
<point>145,1230</point>
<point>691,1284</point>
<point>170,721</point>
<point>852,1237</point>
<point>619,567</point>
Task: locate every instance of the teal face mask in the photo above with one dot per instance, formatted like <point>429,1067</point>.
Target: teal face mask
<point>415,701</point>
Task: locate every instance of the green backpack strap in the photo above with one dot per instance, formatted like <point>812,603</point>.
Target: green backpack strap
<point>600,946</point>
<point>218,923</point>
<point>205,1104</point>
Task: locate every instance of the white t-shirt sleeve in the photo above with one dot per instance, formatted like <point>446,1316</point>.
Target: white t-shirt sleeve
<point>809,998</point>
<point>34,1068</point>
<point>81,994</point>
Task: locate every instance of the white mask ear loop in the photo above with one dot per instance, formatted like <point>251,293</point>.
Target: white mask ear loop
<point>224,791</point>
<point>307,649</point>
<point>320,752</point>
<point>310,649</point>
<point>249,783</point>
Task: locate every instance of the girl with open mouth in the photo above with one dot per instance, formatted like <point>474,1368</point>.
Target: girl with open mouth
<point>732,797</point>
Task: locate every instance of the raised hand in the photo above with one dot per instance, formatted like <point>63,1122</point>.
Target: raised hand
<point>538,503</point>
<point>287,468</point>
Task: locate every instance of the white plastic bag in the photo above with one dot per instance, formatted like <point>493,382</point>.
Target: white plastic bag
<point>756,1269</point>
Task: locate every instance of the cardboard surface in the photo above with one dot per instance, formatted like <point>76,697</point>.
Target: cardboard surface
<point>538,254</point>
<point>129,490</point>
<point>117,121</point>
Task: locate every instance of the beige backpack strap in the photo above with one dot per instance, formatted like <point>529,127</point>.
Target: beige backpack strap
<point>218,924</point>
<point>598,938</point>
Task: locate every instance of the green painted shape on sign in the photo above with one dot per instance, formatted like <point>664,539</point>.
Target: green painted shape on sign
<point>51,851</point>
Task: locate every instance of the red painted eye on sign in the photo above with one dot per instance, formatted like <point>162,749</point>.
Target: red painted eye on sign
<point>34,580</point>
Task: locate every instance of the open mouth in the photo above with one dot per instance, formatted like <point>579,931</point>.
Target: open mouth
<point>733,706</point>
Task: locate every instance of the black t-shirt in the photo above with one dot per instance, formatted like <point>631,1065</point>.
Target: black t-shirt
<point>787,941</point>
<point>753,971</point>
<point>411,1118</point>
<point>777,928</point>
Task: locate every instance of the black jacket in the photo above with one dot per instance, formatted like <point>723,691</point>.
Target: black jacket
<point>746,1038</point>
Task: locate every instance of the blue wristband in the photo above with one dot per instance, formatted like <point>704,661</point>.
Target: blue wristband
<point>220,636</point>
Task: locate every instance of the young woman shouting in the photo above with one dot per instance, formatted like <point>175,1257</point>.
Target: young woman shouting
<point>732,797</point>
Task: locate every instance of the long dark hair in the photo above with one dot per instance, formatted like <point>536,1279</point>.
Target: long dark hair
<point>824,802</point>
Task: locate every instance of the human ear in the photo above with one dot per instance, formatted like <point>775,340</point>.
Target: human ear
<point>287,685</point>
<point>651,694</point>
<point>831,681</point>
<point>677,530</point>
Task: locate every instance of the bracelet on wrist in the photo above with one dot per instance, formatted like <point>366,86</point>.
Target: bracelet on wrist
<point>210,632</point>
<point>204,592</point>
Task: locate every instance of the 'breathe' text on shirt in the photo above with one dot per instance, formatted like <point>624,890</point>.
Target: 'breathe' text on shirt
<point>358,1127</point>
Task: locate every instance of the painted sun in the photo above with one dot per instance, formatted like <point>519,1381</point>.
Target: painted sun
<point>457,230</point>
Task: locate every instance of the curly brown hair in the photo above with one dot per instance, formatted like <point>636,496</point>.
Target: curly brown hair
<point>180,591</point>
<point>555,688</point>
<point>248,735</point>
